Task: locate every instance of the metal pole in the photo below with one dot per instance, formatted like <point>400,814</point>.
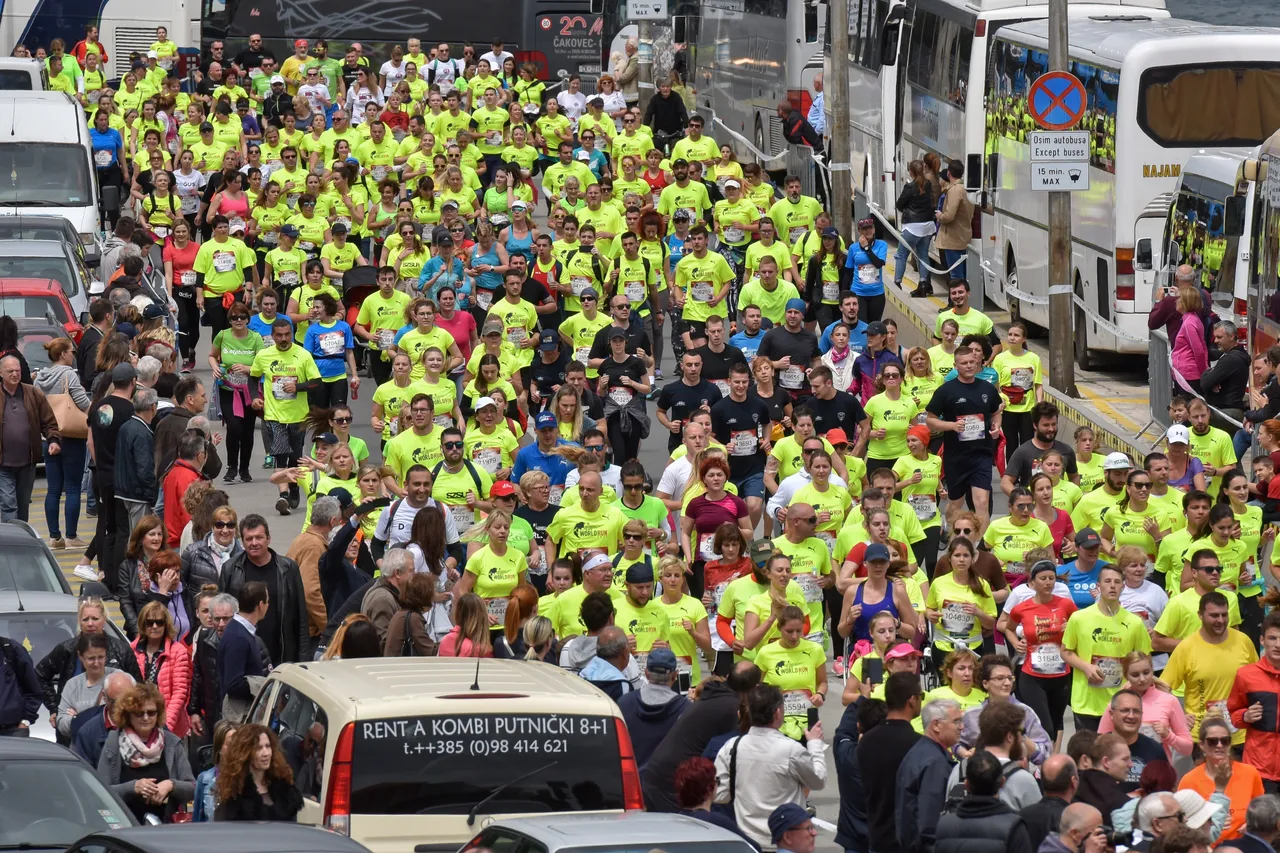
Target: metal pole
<point>644,49</point>
<point>1061,310</point>
<point>836,87</point>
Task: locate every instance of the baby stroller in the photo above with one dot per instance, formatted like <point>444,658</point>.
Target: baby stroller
<point>358,283</point>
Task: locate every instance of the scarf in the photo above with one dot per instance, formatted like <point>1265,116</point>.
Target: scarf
<point>135,753</point>
<point>837,356</point>
<point>217,552</point>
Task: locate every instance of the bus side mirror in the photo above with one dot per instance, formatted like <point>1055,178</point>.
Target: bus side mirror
<point>680,29</point>
<point>1142,254</point>
<point>1234,225</point>
<point>597,7</point>
<point>1173,255</point>
<point>973,172</point>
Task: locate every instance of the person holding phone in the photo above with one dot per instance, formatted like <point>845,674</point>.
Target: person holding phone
<point>797,667</point>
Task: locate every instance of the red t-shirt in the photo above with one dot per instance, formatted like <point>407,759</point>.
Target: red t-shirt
<point>1063,531</point>
<point>183,259</point>
<point>1042,625</point>
<point>859,551</point>
<point>460,329</point>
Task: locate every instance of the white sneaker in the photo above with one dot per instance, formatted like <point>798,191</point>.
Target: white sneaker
<point>86,572</point>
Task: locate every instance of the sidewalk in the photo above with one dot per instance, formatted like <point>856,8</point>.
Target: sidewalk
<point>1113,404</point>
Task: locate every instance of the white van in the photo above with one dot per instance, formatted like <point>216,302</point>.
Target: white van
<point>46,160</point>
<point>406,754</point>
<point>22,75</point>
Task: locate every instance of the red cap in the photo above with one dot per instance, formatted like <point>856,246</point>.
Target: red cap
<point>300,43</point>
<point>502,489</point>
<point>921,432</point>
<point>837,436</point>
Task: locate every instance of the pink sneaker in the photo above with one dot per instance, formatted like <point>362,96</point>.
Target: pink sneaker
<point>838,666</point>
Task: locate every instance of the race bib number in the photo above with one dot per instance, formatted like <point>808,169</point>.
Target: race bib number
<point>634,291</point>
<point>332,343</point>
<point>307,246</point>
<point>494,137</point>
<point>1111,670</point>
<point>620,395</point>
<point>795,703</point>
<point>291,199</point>
<point>1020,377</point>
<point>1046,659</point>
<point>289,278</point>
<point>808,583</point>
<point>386,338</point>
<point>955,621</point>
<point>733,234</point>
<point>743,443</point>
<point>517,334</point>
<point>828,540</point>
<point>277,388</point>
<point>796,233</point>
<point>924,505</point>
<point>702,291</point>
<point>792,378</point>
<point>557,492</point>
<point>235,378</point>
<point>342,220</point>
<point>972,427</point>
<point>868,274</point>
<point>581,354</point>
<point>271,238</point>
<point>578,284</point>
<point>489,458</point>
<point>379,172</point>
<point>160,231</point>
<point>706,547</point>
<point>188,278</point>
<point>691,213</point>
<point>484,299</point>
<point>497,607</point>
<point>717,593</point>
<point>463,516</point>
<point>443,421</point>
<point>224,261</point>
<point>723,385</point>
<point>102,159</point>
<point>1218,708</point>
<point>830,291</point>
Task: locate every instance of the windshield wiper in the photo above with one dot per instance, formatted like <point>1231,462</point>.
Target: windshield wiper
<point>30,203</point>
<point>471,815</point>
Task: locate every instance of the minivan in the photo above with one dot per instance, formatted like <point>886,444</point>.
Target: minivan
<point>22,75</point>
<point>401,752</point>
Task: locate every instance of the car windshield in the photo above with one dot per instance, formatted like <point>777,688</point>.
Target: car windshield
<point>43,175</point>
<point>55,269</point>
<point>38,633</point>
<point>51,804</point>
<point>28,569</point>
<point>38,307</point>
<point>667,847</point>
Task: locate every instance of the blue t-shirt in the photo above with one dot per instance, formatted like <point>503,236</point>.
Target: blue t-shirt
<point>455,278</point>
<point>596,163</point>
<point>1082,584</point>
<point>868,279</point>
<point>328,346</point>
<point>676,246</point>
<point>533,459</point>
<point>108,140</point>
<point>857,337</point>
<point>263,327</point>
<point>748,343</point>
<point>988,373</point>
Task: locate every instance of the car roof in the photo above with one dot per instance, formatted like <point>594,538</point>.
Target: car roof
<point>400,686</point>
<point>29,285</point>
<point>33,601</point>
<point>11,531</point>
<point>32,749</point>
<point>33,247</point>
<point>638,828</point>
<point>228,838</point>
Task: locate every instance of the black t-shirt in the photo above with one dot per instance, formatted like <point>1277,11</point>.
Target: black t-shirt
<point>637,339</point>
<point>801,346</point>
<point>1024,463</point>
<point>105,419</point>
<point>613,371</point>
<point>349,74</point>
<point>592,403</point>
<point>249,58</point>
<point>538,519</point>
<point>1143,751</point>
<point>535,293</point>
<point>547,376</point>
<point>969,403</point>
<point>740,427</point>
<point>269,628</point>
<point>680,400</point>
<point>715,365</point>
<point>843,411</point>
<point>777,402</point>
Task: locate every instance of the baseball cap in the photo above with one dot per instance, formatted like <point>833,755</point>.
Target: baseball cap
<point>519,205</point>
<point>902,650</point>
<point>785,818</point>
<point>338,228</point>
<point>595,561</point>
<point>876,552</point>
<point>583,155</point>
<point>679,161</point>
<point>639,573</point>
<point>831,232</point>
<point>796,305</point>
<point>151,54</point>
<point>123,372</point>
<point>502,489</point>
<point>485,401</point>
<point>153,312</point>
<point>546,420</point>
<point>837,436</point>
<point>326,438</point>
<point>1087,537</point>
<point>491,328</point>
<point>877,328</point>
<point>289,230</point>
<point>206,127</point>
<point>732,184</point>
<point>130,331</point>
<point>343,496</point>
<point>660,660</point>
<point>682,215</point>
<point>1178,434</point>
<point>138,65</point>
<point>1116,462</point>
<point>550,340</point>
<point>449,204</point>
<point>276,78</point>
<point>616,332</point>
<point>444,240</point>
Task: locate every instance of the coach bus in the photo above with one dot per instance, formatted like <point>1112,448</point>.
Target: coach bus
<point>744,57</point>
<point>1158,91</point>
<point>1263,233</point>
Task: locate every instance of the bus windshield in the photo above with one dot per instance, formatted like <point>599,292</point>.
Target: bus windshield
<point>1219,105</point>
<point>41,175</point>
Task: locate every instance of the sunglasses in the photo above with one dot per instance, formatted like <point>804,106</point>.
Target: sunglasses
<point>594,448</point>
<point>1217,570</point>
<point>451,445</point>
<point>639,537</point>
<point>225,525</point>
<point>1023,506</point>
<point>1138,485</point>
<point>963,531</point>
<point>633,487</point>
<point>342,420</point>
<point>154,623</point>
<point>150,712</point>
<point>813,519</point>
<point>1217,741</point>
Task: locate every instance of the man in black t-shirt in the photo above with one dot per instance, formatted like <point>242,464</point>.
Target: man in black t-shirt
<point>548,369</point>
<point>833,409</point>
<point>742,425</point>
<point>576,375</point>
<point>1024,463</point>
<point>966,410</point>
<point>634,330</point>
<point>717,356</point>
<point>792,349</point>
<point>105,418</point>
<point>681,398</point>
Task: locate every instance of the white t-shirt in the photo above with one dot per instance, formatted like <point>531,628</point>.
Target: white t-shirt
<point>445,73</point>
<point>316,96</point>
<point>357,99</point>
<point>395,531</point>
<point>573,104</point>
<point>495,60</point>
<point>393,74</point>
<point>1022,592</point>
<point>188,189</point>
<point>675,478</point>
<point>613,102</point>
<point>1147,602</point>
<point>611,477</point>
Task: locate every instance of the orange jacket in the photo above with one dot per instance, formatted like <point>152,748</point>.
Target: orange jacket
<point>1261,748</point>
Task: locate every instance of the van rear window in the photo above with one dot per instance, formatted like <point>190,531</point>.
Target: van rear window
<point>448,764</point>
<point>15,80</point>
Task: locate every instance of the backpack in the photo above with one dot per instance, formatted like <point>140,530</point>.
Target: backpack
<point>957,793</point>
<point>471,469</point>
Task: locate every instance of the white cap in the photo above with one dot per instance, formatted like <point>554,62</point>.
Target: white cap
<point>151,54</point>
<point>732,183</point>
<point>583,155</point>
<point>276,79</point>
<point>1196,811</point>
<point>596,562</point>
<point>485,401</point>
<point>1116,462</point>
<point>1178,434</point>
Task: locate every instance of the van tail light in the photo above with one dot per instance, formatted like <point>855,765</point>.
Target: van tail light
<point>1240,307</point>
<point>980,30</point>
<point>337,802</point>
<point>632,795</point>
<point>976,224</point>
<point>1125,289</point>
<point>800,99</point>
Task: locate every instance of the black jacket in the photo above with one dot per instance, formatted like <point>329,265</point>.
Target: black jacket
<point>914,205</point>
<point>1226,380</point>
<point>204,700</point>
<point>134,477</point>
<point>982,825</point>
<point>649,722</point>
<point>798,131</point>
<point>87,354</point>
<point>1043,818</point>
<point>339,578</point>
<point>851,825</point>
<point>59,667</point>
<point>275,107</point>
<point>715,713</point>
<point>20,692</point>
<point>168,431</point>
<point>1269,409</point>
<point>666,115</point>
<point>921,793</point>
<point>880,753</point>
<point>1102,792</point>
<point>295,636</point>
<point>286,802</point>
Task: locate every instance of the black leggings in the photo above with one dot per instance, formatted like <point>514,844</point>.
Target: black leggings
<point>926,550</point>
<point>188,323</point>
<point>1250,615</point>
<point>1048,697</point>
<point>239,431</point>
<point>696,578</point>
<point>329,395</point>
<point>380,370</point>
<point>834,599</point>
<point>870,308</point>
<point>110,554</point>
<point>625,447</point>
<point>1017,428</point>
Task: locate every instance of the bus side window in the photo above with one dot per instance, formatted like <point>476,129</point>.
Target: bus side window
<point>811,20</point>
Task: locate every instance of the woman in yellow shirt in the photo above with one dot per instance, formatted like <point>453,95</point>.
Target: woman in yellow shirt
<point>765,610</point>
<point>960,604</point>
<point>890,413</point>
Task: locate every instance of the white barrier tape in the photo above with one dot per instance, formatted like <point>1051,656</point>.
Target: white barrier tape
<point>1183,386</point>
<point>1024,296</point>
<point>760,155</point>
<point>1105,324</point>
<point>836,167</point>
<point>921,263</point>
<point>1059,289</point>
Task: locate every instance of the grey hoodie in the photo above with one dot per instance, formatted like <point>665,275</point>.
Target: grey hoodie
<point>62,379</point>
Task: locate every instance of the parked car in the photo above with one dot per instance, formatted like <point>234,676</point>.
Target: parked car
<point>49,797</point>
<point>629,832</point>
<point>27,226</point>
<point>218,838</point>
<point>26,562</point>
<point>51,259</point>
<point>33,334</point>
<point>39,299</point>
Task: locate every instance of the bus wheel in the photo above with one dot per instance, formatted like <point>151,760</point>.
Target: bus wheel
<point>759,135</point>
<point>1080,334</point>
<point>1011,283</point>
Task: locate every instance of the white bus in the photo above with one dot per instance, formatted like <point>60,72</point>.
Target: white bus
<point>744,58</point>
<point>1158,91</point>
<point>123,25</point>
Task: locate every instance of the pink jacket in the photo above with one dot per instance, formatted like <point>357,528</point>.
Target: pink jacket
<point>1161,707</point>
<point>1190,356</point>
<point>174,681</point>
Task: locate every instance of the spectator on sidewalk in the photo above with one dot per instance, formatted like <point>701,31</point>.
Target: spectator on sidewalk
<point>982,818</point>
<point>30,420</point>
<point>955,222</point>
<point>1224,384</point>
